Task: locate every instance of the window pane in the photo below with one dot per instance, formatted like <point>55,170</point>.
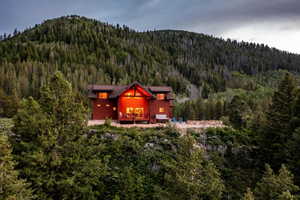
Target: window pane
<point>102,95</point>
<point>129,110</point>
<point>160,96</point>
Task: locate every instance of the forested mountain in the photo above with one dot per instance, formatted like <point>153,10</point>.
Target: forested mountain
<point>90,52</point>
<point>48,152</point>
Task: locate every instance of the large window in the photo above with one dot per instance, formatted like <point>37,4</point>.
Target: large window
<point>138,112</point>
<point>129,110</point>
<point>102,95</point>
<point>160,96</point>
<point>161,109</point>
<point>133,93</point>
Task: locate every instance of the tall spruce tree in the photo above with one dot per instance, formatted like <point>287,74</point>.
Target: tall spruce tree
<point>248,195</point>
<point>294,140</point>
<point>189,176</point>
<point>275,136</point>
<point>286,196</point>
<point>51,148</point>
<point>11,187</point>
<point>294,154</point>
<point>237,110</point>
<point>272,186</point>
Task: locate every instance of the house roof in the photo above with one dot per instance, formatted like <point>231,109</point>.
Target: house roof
<point>117,93</point>
<point>103,87</point>
<point>117,90</point>
<point>160,88</point>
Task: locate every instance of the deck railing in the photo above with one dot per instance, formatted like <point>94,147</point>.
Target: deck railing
<point>134,117</point>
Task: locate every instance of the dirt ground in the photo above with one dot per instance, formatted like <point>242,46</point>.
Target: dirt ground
<point>183,125</point>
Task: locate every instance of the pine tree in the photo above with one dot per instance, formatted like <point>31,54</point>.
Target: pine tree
<point>219,109</point>
<point>8,104</point>
<point>272,186</point>
<point>248,195</point>
<point>189,176</point>
<point>51,147</point>
<point>11,187</point>
<point>278,130</point>
<point>237,109</point>
<point>294,154</point>
<point>286,196</point>
<point>295,121</point>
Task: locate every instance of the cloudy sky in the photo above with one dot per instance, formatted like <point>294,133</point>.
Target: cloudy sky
<point>273,22</point>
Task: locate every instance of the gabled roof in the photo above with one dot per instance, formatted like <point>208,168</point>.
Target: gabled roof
<point>104,87</point>
<point>160,88</point>
<point>119,92</point>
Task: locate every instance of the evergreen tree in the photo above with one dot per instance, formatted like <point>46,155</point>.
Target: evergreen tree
<point>219,109</point>
<point>278,130</point>
<point>294,154</point>
<point>295,121</point>
<point>51,148</point>
<point>272,186</point>
<point>248,195</point>
<point>190,177</point>
<point>11,187</point>
<point>286,196</point>
<point>8,104</point>
<point>237,110</point>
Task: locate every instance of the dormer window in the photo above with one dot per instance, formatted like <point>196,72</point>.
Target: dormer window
<point>102,95</point>
<point>161,96</point>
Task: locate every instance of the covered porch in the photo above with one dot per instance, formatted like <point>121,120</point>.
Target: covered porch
<point>133,104</point>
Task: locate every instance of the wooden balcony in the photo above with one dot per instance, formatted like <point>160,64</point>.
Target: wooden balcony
<point>134,117</point>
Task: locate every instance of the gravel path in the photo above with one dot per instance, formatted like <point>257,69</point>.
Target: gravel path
<point>183,125</point>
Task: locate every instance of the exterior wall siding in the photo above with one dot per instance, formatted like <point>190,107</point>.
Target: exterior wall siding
<point>131,103</point>
<point>104,108</point>
<point>155,105</point>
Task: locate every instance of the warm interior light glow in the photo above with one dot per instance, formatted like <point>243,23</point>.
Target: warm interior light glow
<point>102,95</point>
<point>160,96</point>
<point>129,93</point>
<point>134,103</point>
<point>161,109</point>
<point>129,110</point>
<point>136,91</point>
<point>137,112</point>
<point>98,105</point>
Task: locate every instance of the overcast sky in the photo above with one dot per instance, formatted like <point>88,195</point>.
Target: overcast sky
<point>272,22</point>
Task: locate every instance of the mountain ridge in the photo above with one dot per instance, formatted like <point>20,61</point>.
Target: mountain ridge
<point>95,52</point>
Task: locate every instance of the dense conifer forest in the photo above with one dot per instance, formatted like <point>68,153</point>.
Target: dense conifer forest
<point>47,151</point>
<point>87,51</point>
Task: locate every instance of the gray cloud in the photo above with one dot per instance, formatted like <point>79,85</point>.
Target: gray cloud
<point>207,16</point>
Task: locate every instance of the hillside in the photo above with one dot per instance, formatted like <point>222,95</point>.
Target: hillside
<point>91,52</point>
<point>48,152</point>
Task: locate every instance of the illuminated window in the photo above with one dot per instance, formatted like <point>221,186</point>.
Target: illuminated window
<point>133,93</point>
<point>114,108</point>
<point>161,109</point>
<point>160,96</point>
<point>129,110</point>
<point>102,95</point>
<point>129,93</point>
<point>138,111</point>
<point>138,94</point>
<point>98,105</point>
<point>107,105</point>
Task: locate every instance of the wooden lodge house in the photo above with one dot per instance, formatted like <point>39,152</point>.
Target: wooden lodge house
<point>131,103</point>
